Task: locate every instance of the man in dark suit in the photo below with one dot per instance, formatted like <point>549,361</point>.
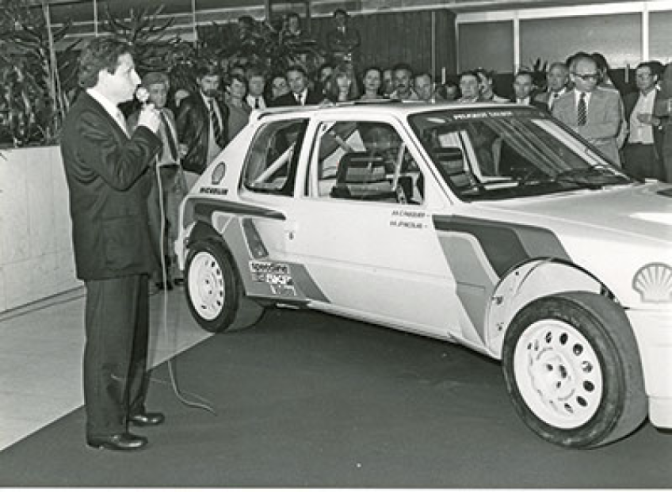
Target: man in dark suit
<point>300,94</point>
<point>106,170</point>
<point>202,121</point>
<point>643,150</point>
<point>523,84</point>
<point>592,112</point>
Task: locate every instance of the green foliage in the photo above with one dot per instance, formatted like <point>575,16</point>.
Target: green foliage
<point>32,99</point>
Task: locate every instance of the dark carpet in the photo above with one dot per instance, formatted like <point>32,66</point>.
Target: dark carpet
<point>306,399</point>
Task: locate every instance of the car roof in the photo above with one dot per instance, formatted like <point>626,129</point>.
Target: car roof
<point>383,107</point>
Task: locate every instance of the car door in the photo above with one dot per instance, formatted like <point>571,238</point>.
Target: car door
<point>361,223</point>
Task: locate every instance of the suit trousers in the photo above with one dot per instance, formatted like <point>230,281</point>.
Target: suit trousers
<point>641,161</point>
<point>115,354</point>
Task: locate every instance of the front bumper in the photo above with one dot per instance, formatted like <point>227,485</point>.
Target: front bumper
<point>653,330</point>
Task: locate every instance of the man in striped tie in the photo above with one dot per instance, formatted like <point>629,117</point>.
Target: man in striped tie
<point>592,112</point>
<point>201,124</point>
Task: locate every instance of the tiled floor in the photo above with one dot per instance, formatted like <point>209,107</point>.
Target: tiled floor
<point>41,349</point>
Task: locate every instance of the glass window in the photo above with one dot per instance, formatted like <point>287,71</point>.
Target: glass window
<point>488,154</point>
<point>273,157</point>
<point>364,161</point>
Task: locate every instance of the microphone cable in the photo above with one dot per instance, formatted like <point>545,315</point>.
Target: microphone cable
<point>198,402</point>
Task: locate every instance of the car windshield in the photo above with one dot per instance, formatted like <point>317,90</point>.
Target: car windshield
<point>490,153</point>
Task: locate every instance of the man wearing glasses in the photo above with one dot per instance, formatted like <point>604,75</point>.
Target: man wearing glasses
<point>590,111</point>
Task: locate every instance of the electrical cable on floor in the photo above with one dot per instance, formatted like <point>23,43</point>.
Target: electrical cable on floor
<point>203,404</point>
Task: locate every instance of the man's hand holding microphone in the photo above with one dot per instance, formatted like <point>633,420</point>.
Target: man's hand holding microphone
<point>149,115</point>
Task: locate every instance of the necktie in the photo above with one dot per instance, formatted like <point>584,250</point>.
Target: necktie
<point>552,100</point>
<point>582,110</point>
<point>216,127</point>
<point>299,100</point>
<point>169,135</point>
<point>256,103</point>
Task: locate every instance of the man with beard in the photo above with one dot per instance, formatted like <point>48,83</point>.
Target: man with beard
<point>202,121</point>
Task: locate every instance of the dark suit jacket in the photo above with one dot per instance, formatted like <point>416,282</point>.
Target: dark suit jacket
<point>604,118</point>
<point>312,97</point>
<point>630,100</point>
<point>193,130</point>
<point>108,182</point>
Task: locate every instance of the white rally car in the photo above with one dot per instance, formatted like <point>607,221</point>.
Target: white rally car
<point>491,226</point>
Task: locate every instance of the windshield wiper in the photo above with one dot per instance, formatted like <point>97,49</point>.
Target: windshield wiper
<point>593,177</point>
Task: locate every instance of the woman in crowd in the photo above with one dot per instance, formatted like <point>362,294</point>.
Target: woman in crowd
<point>372,81</point>
<point>342,86</point>
<point>279,87</point>
<point>239,110</point>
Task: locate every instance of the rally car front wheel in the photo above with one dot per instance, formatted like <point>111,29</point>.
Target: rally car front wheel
<point>573,371</point>
<point>214,291</point>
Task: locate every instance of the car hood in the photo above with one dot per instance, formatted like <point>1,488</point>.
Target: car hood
<point>643,211</point>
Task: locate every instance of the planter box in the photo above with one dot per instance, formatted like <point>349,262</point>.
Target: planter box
<point>36,259</point>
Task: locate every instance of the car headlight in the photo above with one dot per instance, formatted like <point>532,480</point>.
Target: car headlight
<point>653,282</point>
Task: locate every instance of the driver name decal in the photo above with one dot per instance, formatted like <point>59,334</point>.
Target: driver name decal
<point>408,219</point>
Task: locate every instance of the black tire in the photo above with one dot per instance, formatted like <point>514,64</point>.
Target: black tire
<point>214,291</point>
<point>573,370</point>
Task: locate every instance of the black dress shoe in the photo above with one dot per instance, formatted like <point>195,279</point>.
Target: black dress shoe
<point>118,442</point>
<point>178,282</point>
<point>146,419</point>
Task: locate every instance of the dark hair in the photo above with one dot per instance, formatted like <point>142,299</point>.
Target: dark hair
<point>524,72</point>
<point>297,68</point>
<point>340,11</point>
<point>656,67</point>
<point>255,72</point>
<point>100,54</point>
<point>402,66</point>
<point>488,74</point>
<point>238,77</point>
<point>424,74</point>
<point>207,70</point>
<point>246,20</point>
<point>472,73</point>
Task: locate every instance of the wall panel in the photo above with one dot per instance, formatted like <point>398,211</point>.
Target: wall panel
<point>660,36</point>
<point>389,38</point>
<point>486,44</point>
<point>617,37</point>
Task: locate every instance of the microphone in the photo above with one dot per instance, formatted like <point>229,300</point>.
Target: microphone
<point>142,95</point>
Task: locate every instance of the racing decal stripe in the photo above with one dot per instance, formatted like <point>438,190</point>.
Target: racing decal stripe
<point>474,277</point>
<point>305,281</point>
<point>505,244</point>
<point>204,208</point>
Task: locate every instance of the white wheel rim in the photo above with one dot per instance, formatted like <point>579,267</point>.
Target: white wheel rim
<point>206,285</point>
<point>558,374</point>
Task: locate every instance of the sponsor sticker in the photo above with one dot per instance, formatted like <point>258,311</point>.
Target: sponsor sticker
<point>276,275</point>
<point>214,191</point>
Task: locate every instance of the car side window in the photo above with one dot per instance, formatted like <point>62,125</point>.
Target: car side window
<point>365,161</point>
<point>272,158</point>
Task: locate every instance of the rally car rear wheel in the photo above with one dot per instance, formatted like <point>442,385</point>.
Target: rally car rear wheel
<point>215,294</point>
<point>573,371</point>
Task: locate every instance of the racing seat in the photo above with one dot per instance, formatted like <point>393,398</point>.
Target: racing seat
<point>362,176</point>
<point>451,162</point>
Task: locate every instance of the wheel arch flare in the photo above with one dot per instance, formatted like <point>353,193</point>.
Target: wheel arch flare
<point>526,282</point>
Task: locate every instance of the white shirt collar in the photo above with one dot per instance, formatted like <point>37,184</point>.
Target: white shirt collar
<point>111,108</point>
